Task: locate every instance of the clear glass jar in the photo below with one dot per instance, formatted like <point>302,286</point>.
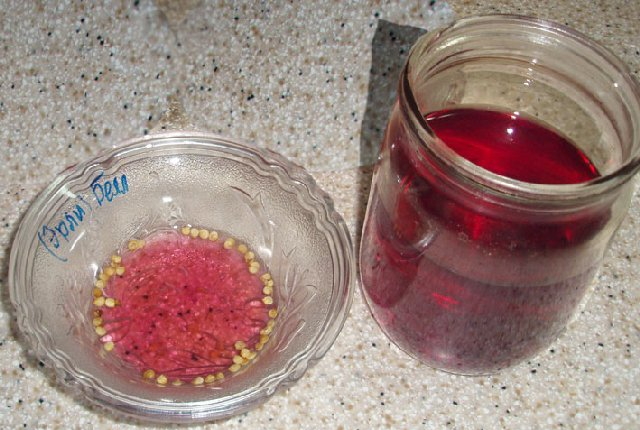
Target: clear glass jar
<point>464,267</point>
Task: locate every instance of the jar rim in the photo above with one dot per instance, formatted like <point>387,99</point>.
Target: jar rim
<point>503,185</point>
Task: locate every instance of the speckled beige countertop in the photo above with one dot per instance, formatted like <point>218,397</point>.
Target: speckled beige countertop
<point>298,77</point>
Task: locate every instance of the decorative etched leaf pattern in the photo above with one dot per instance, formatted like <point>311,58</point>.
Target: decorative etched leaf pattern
<point>257,208</point>
<point>293,295</point>
<point>173,213</point>
<point>74,306</point>
<point>292,292</point>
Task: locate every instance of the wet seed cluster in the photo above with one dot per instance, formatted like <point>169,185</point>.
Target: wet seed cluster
<point>243,355</point>
<point>113,268</point>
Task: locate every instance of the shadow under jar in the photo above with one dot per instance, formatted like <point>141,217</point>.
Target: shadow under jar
<point>503,176</point>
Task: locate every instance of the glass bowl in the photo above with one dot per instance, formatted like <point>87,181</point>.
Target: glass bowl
<point>164,182</point>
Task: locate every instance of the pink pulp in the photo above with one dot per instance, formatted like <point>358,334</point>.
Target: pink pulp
<point>182,307</point>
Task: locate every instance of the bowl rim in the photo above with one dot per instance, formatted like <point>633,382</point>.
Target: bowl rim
<point>218,407</point>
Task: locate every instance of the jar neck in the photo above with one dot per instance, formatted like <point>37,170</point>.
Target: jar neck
<point>437,52</point>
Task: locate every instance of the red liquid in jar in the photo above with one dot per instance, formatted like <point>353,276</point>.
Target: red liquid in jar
<point>512,146</point>
<point>183,304</point>
<point>462,283</point>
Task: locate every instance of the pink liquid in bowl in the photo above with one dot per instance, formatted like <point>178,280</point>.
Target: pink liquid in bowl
<point>184,307</point>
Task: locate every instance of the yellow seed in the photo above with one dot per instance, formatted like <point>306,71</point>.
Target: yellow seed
<point>264,338</point>
<point>219,375</point>
<point>245,361</point>
<point>235,367</point>
<point>213,236</point>
<point>97,292</point>
<point>116,259</point>
<point>249,256</point>
<point>194,233</point>
<point>266,330</point>
<point>99,301</point>
<point>239,345</point>
<point>119,270</point>
<point>267,290</point>
<point>204,234</point>
<point>162,380</point>
<point>273,313</point>
<point>108,346</point>
<point>245,353</point>
<point>149,374</point>
<point>267,300</point>
<point>237,359</point>
<point>228,244</point>
<point>109,271</point>
<point>252,355</point>
<point>109,302</point>
<point>271,323</point>
<point>254,269</point>
<point>209,379</point>
<point>103,277</point>
<point>133,245</point>
<point>265,277</point>
<point>177,382</point>
<point>198,381</point>
<point>100,331</point>
<point>185,230</point>
<point>97,321</point>
<point>99,283</point>
<point>242,248</point>
<point>269,283</point>
<point>259,346</point>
